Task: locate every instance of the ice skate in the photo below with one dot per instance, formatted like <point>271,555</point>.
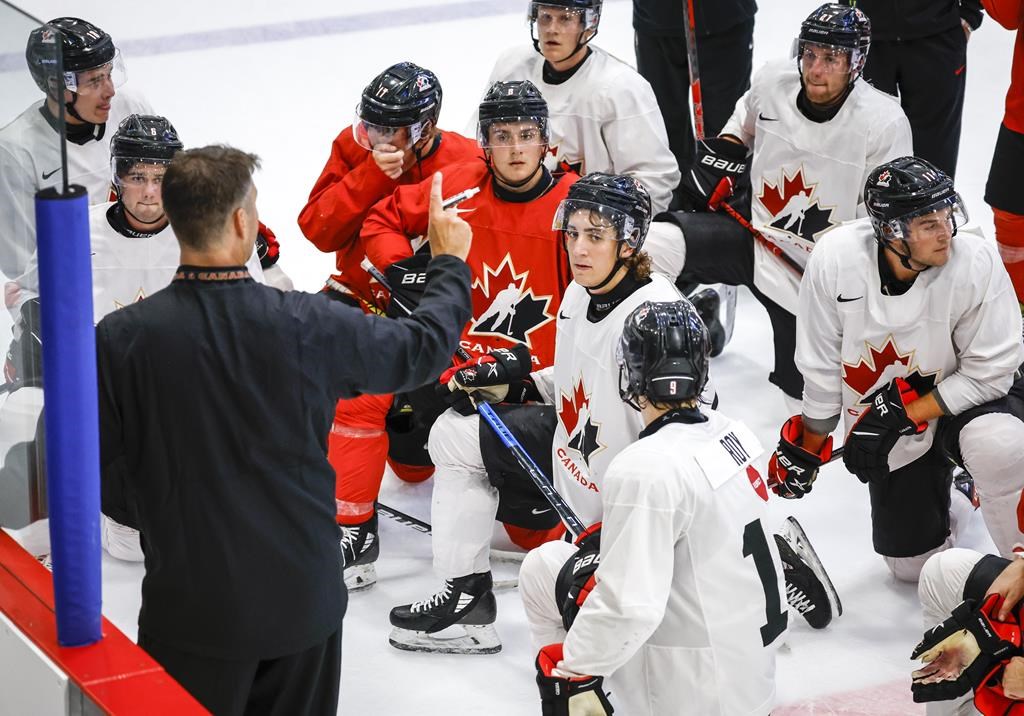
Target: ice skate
<point>459,619</point>
<point>964,483</point>
<point>708,303</point>
<point>809,590</point>
<point>360,548</point>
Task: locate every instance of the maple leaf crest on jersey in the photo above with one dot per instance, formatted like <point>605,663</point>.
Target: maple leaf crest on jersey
<point>794,207</point>
<point>574,414</point>
<point>504,305</point>
<point>881,365</point>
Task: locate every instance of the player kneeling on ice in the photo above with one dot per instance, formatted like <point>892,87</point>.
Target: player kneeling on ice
<point>914,337</point>
<point>688,585</point>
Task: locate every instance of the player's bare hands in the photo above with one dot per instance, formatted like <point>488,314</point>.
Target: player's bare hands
<point>1010,586</point>
<point>448,233</point>
<point>390,159</point>
<point>947,660</point>
<point>1013,679</point>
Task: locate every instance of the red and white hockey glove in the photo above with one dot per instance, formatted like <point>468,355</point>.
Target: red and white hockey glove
<point>561,696</point>
<point>791,469</point>
<point>496,377</point>
<point>712,177</point>
<point>576,577</point>
<point>991,696</point>
<point>962,652</point>
<point>267,247</point>
<point>867,447</point>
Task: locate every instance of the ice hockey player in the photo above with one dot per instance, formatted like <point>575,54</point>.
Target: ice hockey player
<point>604,115</point>
<point>519,273</point>
<point>577,430</point>
<point>815,133</point>
<point>134,254</point>
<point>908,326</point>
<point>29,146</point>
<point>393,141</point>
<point>688,589</point>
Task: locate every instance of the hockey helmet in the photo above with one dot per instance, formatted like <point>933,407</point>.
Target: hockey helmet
<point>142,138</point>
<point>589,10</point>
<point>664,353</point>
<point>837,30</point>
<point>898,191</point>
<point>83,47</point>
<point>403,95</point>
<point>516,101</point>
<point>612,200</point>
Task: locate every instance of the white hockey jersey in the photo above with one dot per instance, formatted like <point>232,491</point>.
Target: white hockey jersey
<point>958,330</point>
<point>593,424</point>
<point>30,161</point>
<point>604,118</point>
<point>125,269</point>
<point>806,176</point>
<point>688,608</point>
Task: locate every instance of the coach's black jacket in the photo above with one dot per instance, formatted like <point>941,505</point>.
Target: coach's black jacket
<point>661,18</point>
<point>216,398</point>
<point>914,19</point>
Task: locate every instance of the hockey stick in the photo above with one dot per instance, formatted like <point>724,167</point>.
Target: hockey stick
<point>774,248</point>
<point>691,57</point>
<point>569,518</point>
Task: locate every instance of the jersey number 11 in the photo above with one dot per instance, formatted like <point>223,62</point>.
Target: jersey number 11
<point>755,545</point>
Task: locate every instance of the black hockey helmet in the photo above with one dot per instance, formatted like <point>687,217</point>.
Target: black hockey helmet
<point>403,95</point>
<point>83,47</point>
<point>590,11</point>
<point>515,101</point>
<point>838,26</point>
<point>620,200</point>
<point>900,190</point>
<point>664,353</point>
<point>142,138</point>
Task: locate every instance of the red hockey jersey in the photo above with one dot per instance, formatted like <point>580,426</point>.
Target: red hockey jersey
<point>350,183</point>
<point>1010,14</point>
<point>519,266</point>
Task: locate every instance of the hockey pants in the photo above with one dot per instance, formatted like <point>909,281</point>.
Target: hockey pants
<point>465,502</point>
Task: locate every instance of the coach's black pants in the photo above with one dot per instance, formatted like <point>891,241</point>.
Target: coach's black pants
<point>302,684</point>
<point>724,61</point>
<point>929,76</point>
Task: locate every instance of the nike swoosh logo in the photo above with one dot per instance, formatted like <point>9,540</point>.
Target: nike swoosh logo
<point>47,175</point>
<point>847,300</point>
<point>562,316</point>
<point>761,116</point>
<point>960,71</point>
<point>540,512</point>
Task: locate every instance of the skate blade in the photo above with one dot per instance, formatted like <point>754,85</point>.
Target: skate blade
<point>359,577</point>
<point>802,546</point>
<point>463,639</point>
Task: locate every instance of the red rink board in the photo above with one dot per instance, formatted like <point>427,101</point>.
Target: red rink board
<point>118,676</point>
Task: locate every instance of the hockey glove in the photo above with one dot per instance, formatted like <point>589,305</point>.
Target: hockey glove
<point>960,653</point>
<point>714,174</point>
<point>408,280</point>
<point>866,452</point>
<point>990,698</point>
<point>559,696</point>
<point>576,578</point>
<point>24,363</point>
<point>267,248</point>
<point>792,470</point>
<point>491,376</point>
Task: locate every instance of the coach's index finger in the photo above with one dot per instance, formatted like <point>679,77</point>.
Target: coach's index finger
<point>436,199</point>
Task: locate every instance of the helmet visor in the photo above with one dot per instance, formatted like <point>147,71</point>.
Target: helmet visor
<point>512,132</point>
<point>94,80</point>
<point>943,218</point>
<point>582,218</point>
<point>561,18</point>
<point>369,135</point>
<point>135,171</point>
<point>828,59</point>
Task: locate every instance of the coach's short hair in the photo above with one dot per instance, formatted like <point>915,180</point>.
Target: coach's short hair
<point>201,189</point>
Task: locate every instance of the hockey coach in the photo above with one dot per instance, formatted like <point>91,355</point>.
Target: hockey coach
<point>216,398</point>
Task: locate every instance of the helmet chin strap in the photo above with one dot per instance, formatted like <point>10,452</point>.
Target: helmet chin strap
<point>619,263</point>
<point>510,184</point>
<point>161,219</point>
<point>904,258</point>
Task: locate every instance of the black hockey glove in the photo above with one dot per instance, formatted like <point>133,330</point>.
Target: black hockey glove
<point>867,447</point>
<point>500,376</point>
<point>576,578</point>
<point>791,469</point>
<point>960,653</point>
<point>408,281</point>
<point>24,364</point>
<point>713,176</point>
<point>267,247</point>
<point>559,696</point>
